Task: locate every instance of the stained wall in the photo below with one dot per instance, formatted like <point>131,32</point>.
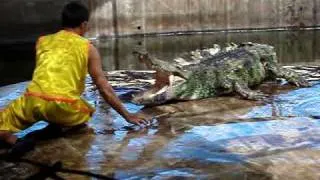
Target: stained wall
<point>22,20</point>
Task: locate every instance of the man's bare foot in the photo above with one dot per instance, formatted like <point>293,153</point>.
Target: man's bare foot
<point>8,137</point>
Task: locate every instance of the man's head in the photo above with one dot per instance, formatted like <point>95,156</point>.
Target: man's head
<point>75,15</point>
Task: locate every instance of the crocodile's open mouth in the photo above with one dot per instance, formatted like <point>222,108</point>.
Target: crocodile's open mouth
<point>151,96</point>
<point>162,91</point>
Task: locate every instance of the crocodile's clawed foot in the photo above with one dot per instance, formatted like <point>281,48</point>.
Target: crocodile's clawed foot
<point>257,96</point>
<point>301,82</point>
<point>247,93</point>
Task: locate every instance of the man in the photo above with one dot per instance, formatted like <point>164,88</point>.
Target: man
<point>62,62</point>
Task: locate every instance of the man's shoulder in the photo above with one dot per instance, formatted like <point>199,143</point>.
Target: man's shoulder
<point>46,36</point>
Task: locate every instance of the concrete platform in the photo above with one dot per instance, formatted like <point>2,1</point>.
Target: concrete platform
<point>217,138</point>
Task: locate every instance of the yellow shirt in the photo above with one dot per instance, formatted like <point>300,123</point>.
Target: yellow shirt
<point>57,84</point>
<point>61,65</point>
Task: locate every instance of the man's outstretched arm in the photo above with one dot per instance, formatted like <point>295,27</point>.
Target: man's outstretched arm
<point>106,90</point>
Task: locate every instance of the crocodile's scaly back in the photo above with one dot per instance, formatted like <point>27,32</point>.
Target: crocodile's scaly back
<point>230,70</point>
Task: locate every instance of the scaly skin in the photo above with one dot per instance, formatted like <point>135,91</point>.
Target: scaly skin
<point>228,71</point>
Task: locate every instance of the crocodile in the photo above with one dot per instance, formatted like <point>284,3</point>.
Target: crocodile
<point>213,72</point>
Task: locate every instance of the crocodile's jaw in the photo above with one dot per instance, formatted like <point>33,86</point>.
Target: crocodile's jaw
<point>152,96</point>
<point>158,95</point>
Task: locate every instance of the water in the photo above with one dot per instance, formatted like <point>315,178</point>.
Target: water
<point>16,63</point>
<point>293,47</point>
<point>216,138</point>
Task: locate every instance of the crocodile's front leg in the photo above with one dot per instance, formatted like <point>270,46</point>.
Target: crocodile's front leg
<point>244,91</point>
<point>291,76</point>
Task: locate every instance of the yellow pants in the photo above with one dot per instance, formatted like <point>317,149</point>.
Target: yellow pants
<point>31,108</point>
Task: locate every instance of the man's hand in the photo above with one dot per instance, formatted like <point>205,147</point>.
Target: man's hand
<point>139,119</point>
<point>107,92</point>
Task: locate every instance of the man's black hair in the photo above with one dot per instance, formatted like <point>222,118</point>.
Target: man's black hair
<point>73,14</point>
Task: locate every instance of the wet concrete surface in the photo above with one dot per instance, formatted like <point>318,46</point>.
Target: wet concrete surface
<point>216,138</point>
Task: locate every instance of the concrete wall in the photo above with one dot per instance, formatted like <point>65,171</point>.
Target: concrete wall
<point>160,16</point>
<point>26,19</point>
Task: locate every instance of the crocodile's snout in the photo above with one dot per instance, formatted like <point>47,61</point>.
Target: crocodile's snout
<point>139,51</point>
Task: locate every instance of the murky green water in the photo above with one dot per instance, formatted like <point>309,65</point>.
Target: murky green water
<point>298,47</point>
<point>293,47</point>
<point>216,138</point>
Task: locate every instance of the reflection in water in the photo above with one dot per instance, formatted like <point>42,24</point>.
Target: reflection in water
<point>247,138</point>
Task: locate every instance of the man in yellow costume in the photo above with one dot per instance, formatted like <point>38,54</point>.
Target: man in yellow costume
<point>63,60</point>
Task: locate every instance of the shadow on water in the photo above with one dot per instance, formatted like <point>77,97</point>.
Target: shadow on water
<point>216,138</point>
